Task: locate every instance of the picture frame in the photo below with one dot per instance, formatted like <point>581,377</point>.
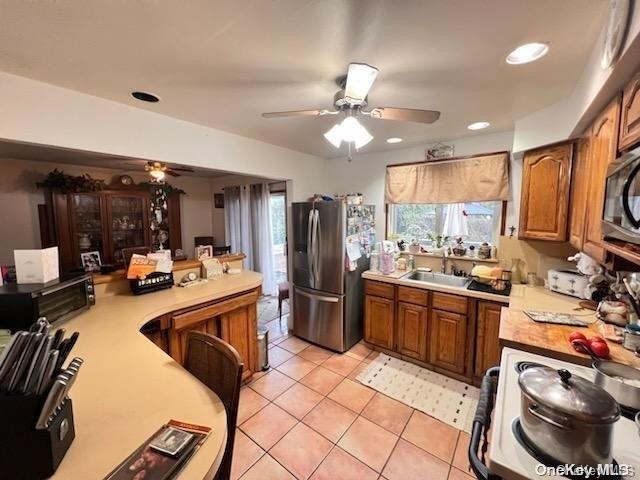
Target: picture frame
<point>91,261</point>
<point>218,200</point>
<point>203,252</point>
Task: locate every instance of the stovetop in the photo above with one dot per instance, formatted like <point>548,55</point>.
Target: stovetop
<point>510,458</point>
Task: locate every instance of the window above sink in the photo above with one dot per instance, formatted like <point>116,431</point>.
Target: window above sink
<point>425,221</point>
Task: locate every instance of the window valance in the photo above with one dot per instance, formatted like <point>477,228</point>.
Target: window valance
<point>479,178</point>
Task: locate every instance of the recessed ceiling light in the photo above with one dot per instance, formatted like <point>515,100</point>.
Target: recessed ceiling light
<point>529,52</point>
<point>145,97</point>
<point>478,125</point>
<point>394,140</point>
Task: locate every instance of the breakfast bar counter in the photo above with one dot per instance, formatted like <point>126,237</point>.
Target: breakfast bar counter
<point>128,387</point>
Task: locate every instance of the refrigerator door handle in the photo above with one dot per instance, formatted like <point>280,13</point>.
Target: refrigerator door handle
<point>310,247</point>
<point>320,298</point>
<point>316,246</point>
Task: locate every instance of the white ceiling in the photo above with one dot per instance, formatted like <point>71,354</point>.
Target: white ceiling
<point>221,63</point>
<point>46,153</point>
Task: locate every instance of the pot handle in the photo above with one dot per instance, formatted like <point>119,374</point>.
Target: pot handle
<point>481,424</point>
<point>536,413</point>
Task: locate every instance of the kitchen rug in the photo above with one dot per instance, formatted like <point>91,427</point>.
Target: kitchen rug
<point>451,401</point>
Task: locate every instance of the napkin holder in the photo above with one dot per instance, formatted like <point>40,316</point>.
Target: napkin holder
<point>151,283</point>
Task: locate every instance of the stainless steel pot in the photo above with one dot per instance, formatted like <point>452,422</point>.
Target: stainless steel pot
<point>567,417</point>
<point>611,376</point>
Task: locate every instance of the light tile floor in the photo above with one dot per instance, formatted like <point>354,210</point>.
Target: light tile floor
<point>308,418</point>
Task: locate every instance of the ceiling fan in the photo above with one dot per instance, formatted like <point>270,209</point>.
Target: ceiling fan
<point>351,100</point>
<point>158,170</point>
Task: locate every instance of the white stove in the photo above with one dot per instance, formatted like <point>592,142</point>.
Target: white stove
<point>507,457</point>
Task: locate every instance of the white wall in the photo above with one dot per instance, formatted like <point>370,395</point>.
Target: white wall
<point>36,112</point>
<point>19,199</point>
<point>366,173</point>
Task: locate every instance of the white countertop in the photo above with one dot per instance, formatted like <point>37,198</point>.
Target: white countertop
<point>128,387</point>
<point>396,279</point>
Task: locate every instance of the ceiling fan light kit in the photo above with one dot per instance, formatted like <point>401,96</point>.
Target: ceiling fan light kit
<point>352,100</point>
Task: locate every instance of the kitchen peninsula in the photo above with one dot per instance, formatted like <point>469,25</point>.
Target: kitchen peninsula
<point>129,387</point>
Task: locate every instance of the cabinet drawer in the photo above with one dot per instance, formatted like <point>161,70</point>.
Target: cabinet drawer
<point>413,295</point>
<point>379,289</point>
<point>449,303</point>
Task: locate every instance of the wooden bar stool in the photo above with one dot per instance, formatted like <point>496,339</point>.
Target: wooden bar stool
<point>219,366</point>
<point>283,294</point>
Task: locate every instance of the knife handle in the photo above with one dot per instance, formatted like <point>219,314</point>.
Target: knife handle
<point>47,372</point>
<point>50,403</point>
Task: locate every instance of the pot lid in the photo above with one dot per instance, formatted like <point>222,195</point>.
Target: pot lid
<point>569,395</point>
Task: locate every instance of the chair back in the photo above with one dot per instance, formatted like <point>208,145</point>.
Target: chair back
<point>219,366</point>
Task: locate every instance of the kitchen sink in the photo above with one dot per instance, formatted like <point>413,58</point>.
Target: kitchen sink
<point>438,278</point>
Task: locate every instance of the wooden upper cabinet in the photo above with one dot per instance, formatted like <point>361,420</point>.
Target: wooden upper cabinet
<point>448,340</point>
<point>487,342</point>
<point>546,180</point>
<point>603,142</point>
<point>379,321</point>
<point>630,115</point>
<point>579,191</point>
<point>412,330</point>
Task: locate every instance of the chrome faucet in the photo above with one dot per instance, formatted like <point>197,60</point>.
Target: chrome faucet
<point>443,265</point>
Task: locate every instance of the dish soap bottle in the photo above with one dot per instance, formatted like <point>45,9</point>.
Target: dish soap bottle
<point>516,276</point>
<point>411,264</point>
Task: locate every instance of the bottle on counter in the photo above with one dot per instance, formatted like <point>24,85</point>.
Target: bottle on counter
<point>374,262</point>
<point>411,263</point>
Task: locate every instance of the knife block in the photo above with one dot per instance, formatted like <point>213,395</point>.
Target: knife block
<point>27,453</point>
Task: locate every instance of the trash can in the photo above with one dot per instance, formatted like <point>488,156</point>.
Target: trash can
<point>263,348</point>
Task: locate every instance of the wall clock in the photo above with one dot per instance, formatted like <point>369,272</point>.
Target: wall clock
<point>126,180</point>
<point>615,32</point>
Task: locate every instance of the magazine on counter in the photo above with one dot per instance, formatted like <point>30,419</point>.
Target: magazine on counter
<point>163,455</point>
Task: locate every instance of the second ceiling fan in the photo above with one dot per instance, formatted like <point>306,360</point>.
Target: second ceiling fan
<point>352,101</point>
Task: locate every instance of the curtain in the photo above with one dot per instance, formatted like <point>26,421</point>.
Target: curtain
<point>247,219</point>
<point>479,178</point>
<point>455,222</point>
<point>262,245</point>
<point>232,232</point>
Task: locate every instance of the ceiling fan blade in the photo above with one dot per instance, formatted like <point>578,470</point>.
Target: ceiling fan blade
<point>182,169</point>
<point>295,113</point>
<point>405,114</point>
<point>360,78</point>
<point>170,171</point>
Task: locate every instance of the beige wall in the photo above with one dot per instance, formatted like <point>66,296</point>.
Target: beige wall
<point>19,199</point>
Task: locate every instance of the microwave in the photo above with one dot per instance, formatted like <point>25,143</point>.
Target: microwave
<point>621,211</point>
<point>22,304</point>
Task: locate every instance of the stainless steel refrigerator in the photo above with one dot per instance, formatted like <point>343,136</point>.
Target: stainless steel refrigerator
<point>327,290</point>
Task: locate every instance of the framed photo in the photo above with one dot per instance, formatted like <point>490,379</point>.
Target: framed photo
<point>218,200</point>
<point>204,251</point>
<point>91,261</point>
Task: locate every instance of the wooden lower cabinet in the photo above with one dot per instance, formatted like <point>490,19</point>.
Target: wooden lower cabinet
<point>487,345</point>
<point>233,319</point>
<point>379,321</point>
<point>412,331</point>
<point>448,341</point>
<point>452,334</point>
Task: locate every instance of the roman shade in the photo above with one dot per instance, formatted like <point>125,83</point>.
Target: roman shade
<point>480,178</point>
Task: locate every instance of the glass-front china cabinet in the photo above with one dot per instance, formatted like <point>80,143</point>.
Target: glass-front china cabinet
<point>109,220</point>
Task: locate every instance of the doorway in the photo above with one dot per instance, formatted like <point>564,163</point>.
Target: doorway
<point>278,211</point>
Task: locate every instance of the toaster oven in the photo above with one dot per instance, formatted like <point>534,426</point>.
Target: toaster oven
<point>58,300</point>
